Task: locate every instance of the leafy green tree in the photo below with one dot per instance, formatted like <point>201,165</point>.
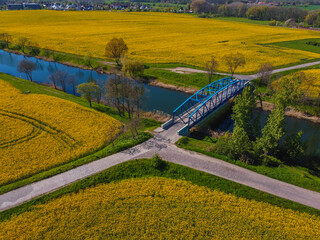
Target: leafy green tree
<point>89,91</point>
<point>289,90</point>
<point>243,115</point>
<point>293,148</point>
<point>133,68</point>
<point>116,49</point>
<point>239,142</point>
<point>272,132</point>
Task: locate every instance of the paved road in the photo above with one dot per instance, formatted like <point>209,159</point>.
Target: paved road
<point>184,70</point>
<point>162,144</point>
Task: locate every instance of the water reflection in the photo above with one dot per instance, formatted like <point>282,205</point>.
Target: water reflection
<point>155,98</point>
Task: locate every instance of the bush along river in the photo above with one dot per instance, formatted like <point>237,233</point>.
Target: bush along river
<point>155,98</point>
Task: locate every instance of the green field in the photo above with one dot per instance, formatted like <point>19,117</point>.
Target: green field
<point>300,45</point>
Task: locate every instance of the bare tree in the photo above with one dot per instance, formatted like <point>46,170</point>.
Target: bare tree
<point>73,81</point>
<point>233,61</point>
<point>265,72</point>
<point>114,92</point>
<point>211,66</point>
<point>27,67</point>
<point>6,38</point>
<point>22,42</point>
<point>116,49</point>
<point>134,125</point>
<point>59,77</point>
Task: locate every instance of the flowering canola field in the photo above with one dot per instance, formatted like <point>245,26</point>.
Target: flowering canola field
<point>39,131</point>
<point>314,90</point>
<point>157,37</point>
<point>158,208</point>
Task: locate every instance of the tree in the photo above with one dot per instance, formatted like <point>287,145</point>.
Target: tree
<point>6,38</point>
<point>88,60</point>
<point>113,92</point>
<point>116,49</point>
<point>27,67</point>
<point>272,131</point>
<point>265,72</point>
<point>233,61</point>
<point>239,142</point>
<point>59,77</point>
<point>73,81</point>
<point>133,68</point>
<point>243,114</point>
<point>293,148</point>
<point>34,49</point>
<point>200,6</point>
<point>22,42</point>
<point>289,90</point>
<point>89,91</point>
<point>211,66</point>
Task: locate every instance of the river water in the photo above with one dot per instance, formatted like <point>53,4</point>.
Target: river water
<point>155,98</point>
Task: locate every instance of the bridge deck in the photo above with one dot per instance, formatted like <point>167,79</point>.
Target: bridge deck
<point>203,102</point>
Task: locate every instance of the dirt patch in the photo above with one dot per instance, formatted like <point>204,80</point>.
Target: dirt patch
<point>290,112</point>
<point>189,90</point>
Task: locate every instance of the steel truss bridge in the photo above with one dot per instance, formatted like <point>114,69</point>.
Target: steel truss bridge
<point>205,101</point>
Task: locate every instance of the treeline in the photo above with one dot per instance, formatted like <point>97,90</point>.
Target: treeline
<point>239,9</point>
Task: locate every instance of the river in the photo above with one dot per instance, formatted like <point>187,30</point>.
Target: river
<point>155,98</point>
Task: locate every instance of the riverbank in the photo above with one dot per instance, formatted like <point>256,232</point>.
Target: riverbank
<point>161,82</point>
<point>290,112</point>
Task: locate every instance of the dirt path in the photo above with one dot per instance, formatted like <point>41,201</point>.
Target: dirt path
<point>183,70</point>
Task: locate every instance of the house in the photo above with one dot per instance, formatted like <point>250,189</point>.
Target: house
<point>31,6</point>
<point>14,7</point>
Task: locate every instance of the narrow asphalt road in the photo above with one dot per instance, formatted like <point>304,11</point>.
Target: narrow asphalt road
<point>162,144</point>
<point>184,70</point>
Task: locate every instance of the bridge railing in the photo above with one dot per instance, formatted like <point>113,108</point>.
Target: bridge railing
<point>201,96</point>
<point>215,100</point>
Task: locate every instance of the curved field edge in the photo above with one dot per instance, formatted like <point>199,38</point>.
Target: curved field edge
<point>145,168</point>
<point>294,175</point>
<point>107,149</point>
<point>157,207</point>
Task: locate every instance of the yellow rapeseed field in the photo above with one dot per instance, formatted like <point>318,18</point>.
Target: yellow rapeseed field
<point>158,208</point>
<point>157,37</point>
<point>40,131</point>
<point>314,90</point>
<point>310,88</point>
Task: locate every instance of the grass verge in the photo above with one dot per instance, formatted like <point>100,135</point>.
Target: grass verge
<point>146,168</point>
<point>195,80</point>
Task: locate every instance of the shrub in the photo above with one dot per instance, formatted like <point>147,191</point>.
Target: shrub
<point>270,161</point>
<point>157,163</point>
